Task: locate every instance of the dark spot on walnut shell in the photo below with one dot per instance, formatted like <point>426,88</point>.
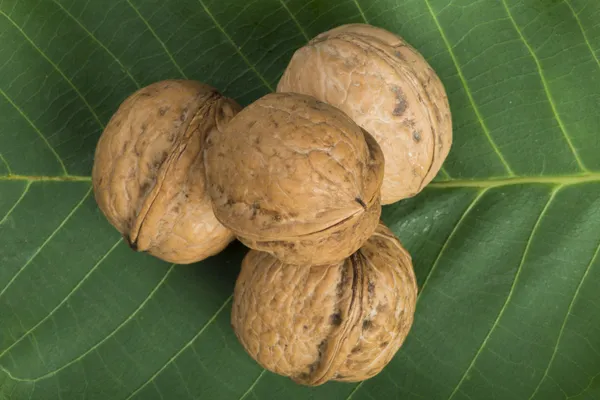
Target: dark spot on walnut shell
<point>336,319</point>
<point>400,106</point>
<point>255,209</point>
<point>145,187</point>
<point>184,114</point>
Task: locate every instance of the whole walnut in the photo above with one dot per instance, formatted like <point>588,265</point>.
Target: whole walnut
<point>297,178</point>
<point>148,173</point>
<point>388,89</point>
<point>342,321</point>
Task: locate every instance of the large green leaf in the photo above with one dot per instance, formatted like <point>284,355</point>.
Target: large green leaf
<point>505,242</point>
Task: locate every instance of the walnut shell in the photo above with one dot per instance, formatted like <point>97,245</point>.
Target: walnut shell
<point>388,89</point>
<point>295,177</point>
<point>342,322</point>
<point>148,173</point>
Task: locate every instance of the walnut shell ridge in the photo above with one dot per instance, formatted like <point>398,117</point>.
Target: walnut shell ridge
<point>342,321</point>
<point>297,178</point>
<point>148,173</point>
<point>388,89</point>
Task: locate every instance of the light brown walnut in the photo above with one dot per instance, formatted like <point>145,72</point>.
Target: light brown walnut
<point>148,173</point>
<point>342,321</point>
<point>295,177</point>
<point>388,89</point>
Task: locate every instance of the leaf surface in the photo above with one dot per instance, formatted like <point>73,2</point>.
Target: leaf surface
<point>505,241</point>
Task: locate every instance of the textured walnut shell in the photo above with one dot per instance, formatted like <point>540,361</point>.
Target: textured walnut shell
<point>295,177</point>
<point>388,89</point>
<point>148,173</point>
<point>341,322</point>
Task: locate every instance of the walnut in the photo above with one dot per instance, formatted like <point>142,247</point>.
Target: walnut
<point>388,89</point>
<point>297,178</point>
<point>342,321</point>
<point>148,173</point>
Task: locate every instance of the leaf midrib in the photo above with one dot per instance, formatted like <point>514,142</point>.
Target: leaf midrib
<point>559,180</point>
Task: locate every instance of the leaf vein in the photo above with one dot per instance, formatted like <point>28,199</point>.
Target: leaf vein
<point>585,389</point>
<point>48,239</point>
<point>449,238</point>
<point>445,173</point>
<point>468,91</point>
<point>564,324</point>
<point>5,164</point>
<point>67,297</point>
<point>564,180</point>
<point>95,39</point>
<point>300,28</point>
<point>547,91</point>
<point>247,392</point>
<point>45,178</point>
<point>510,293</point>
<point>236,48</point>
<point>358,387</point>
<point>585,37</point>
<point>94,347</point>
<point>360,10</point>
<point>16,203</point>
<point>158,39</point>
<point>188,344</point>
<point>55,66</point>
<point>35,128</point>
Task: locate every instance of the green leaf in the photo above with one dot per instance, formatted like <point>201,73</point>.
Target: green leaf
<point>505,242</point>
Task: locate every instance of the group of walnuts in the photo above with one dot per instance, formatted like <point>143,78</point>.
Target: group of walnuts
<point>327,292</point>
